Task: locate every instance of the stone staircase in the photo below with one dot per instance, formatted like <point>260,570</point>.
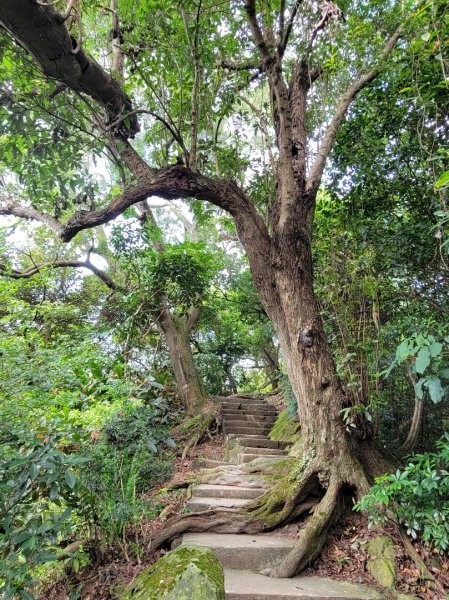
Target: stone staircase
<point>247,421</point>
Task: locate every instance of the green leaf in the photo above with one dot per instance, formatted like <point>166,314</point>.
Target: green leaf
<point>435,349</point>
<point>435,390</point>
<point>70,479</point>
<point>402,350</point>
<point>443,181</point>
<point>422,359</point>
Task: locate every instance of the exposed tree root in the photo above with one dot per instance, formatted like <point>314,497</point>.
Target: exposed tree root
<point>326,494</point>
<point>192,430</point>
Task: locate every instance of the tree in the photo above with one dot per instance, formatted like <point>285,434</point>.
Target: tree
<point>291,49</point>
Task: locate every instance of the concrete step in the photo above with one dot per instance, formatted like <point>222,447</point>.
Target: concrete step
<point>225,491</point>
<point>241,398</point>
<point>244,585</point>
<point>247,457</point>
<point>245,429</point>
<point>260,442</point>
<point>244,551</point>
<point>263,451</point>
<point>244,405</point>
<point>249,418</point>
<point>248,411</point>
<point>199,504</point>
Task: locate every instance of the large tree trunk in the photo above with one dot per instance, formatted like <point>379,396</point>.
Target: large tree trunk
<point>329,467</point>
<point>177,336</point>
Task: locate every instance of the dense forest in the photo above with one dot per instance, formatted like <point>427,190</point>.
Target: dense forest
<point>208,200</point>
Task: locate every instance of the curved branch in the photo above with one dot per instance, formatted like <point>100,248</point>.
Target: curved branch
<point>194,315</point>
<point>262,47</point>
<point>43,33</point>
<point>171,183</point>
<point>86,264</point>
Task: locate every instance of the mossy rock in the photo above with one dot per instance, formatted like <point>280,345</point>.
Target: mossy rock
<point>285,429</point>
<point>186,573</point>
<point>382,561</point>
<point>406,597</point>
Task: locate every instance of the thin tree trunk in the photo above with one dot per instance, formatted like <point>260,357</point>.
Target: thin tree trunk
<point>189,383</point>
<point>411,440</point>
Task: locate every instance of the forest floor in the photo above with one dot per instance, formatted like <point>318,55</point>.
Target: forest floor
<point>343,557</point>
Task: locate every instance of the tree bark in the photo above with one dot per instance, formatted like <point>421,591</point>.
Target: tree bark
<point>416,423</point>
<point>177,336</point>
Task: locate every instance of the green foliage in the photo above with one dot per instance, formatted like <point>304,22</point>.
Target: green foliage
<point>427,356</point>
<point>115,480</point>
<point>38,491</point>
<point>126,462</point>
<point>416,496</point>
<point>140,426</point>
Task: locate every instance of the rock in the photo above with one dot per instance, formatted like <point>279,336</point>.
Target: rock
<point>187,573</point>
<point>381,564</point>
<point>406,597</point>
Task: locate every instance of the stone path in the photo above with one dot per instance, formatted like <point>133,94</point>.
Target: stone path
<point>247,421</point>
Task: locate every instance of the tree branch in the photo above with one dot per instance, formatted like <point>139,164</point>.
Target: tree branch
<point>9,206</point>
<point>194,315</point>
<point>286,34</point>
<point>171,183</point>
<point>316,172</point>
<point>247,66</point>
<point>261,45</point>
<point>86,264</point>
<point>43,33</point>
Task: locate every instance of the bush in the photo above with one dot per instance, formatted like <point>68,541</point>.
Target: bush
<point>38,492</point>
<point>140,426</point>
<point>417,497</point>
<point>126,463</point>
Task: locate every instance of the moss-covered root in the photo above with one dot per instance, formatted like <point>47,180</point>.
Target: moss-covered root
<point>185,573</point>
<point>286,501</point>
<point>314,534</point>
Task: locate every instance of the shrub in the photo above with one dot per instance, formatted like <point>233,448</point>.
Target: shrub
<point>416,496</point>
<point>38,491</point>
<point>140,426</point>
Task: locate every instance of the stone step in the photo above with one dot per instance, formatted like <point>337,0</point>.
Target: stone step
<point>263,451</point>
<point>248,411</point>
<point>245,429</point>
<point>244,405</point>
<point>225,491</point>
<point>239,398</point>
<point>244,423</point>
<point>244,585</point>
<point>247,457</point>
<point>259,442</point>
<point>249,418</point>
<point>244,551</point>
<point>200,504</point>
